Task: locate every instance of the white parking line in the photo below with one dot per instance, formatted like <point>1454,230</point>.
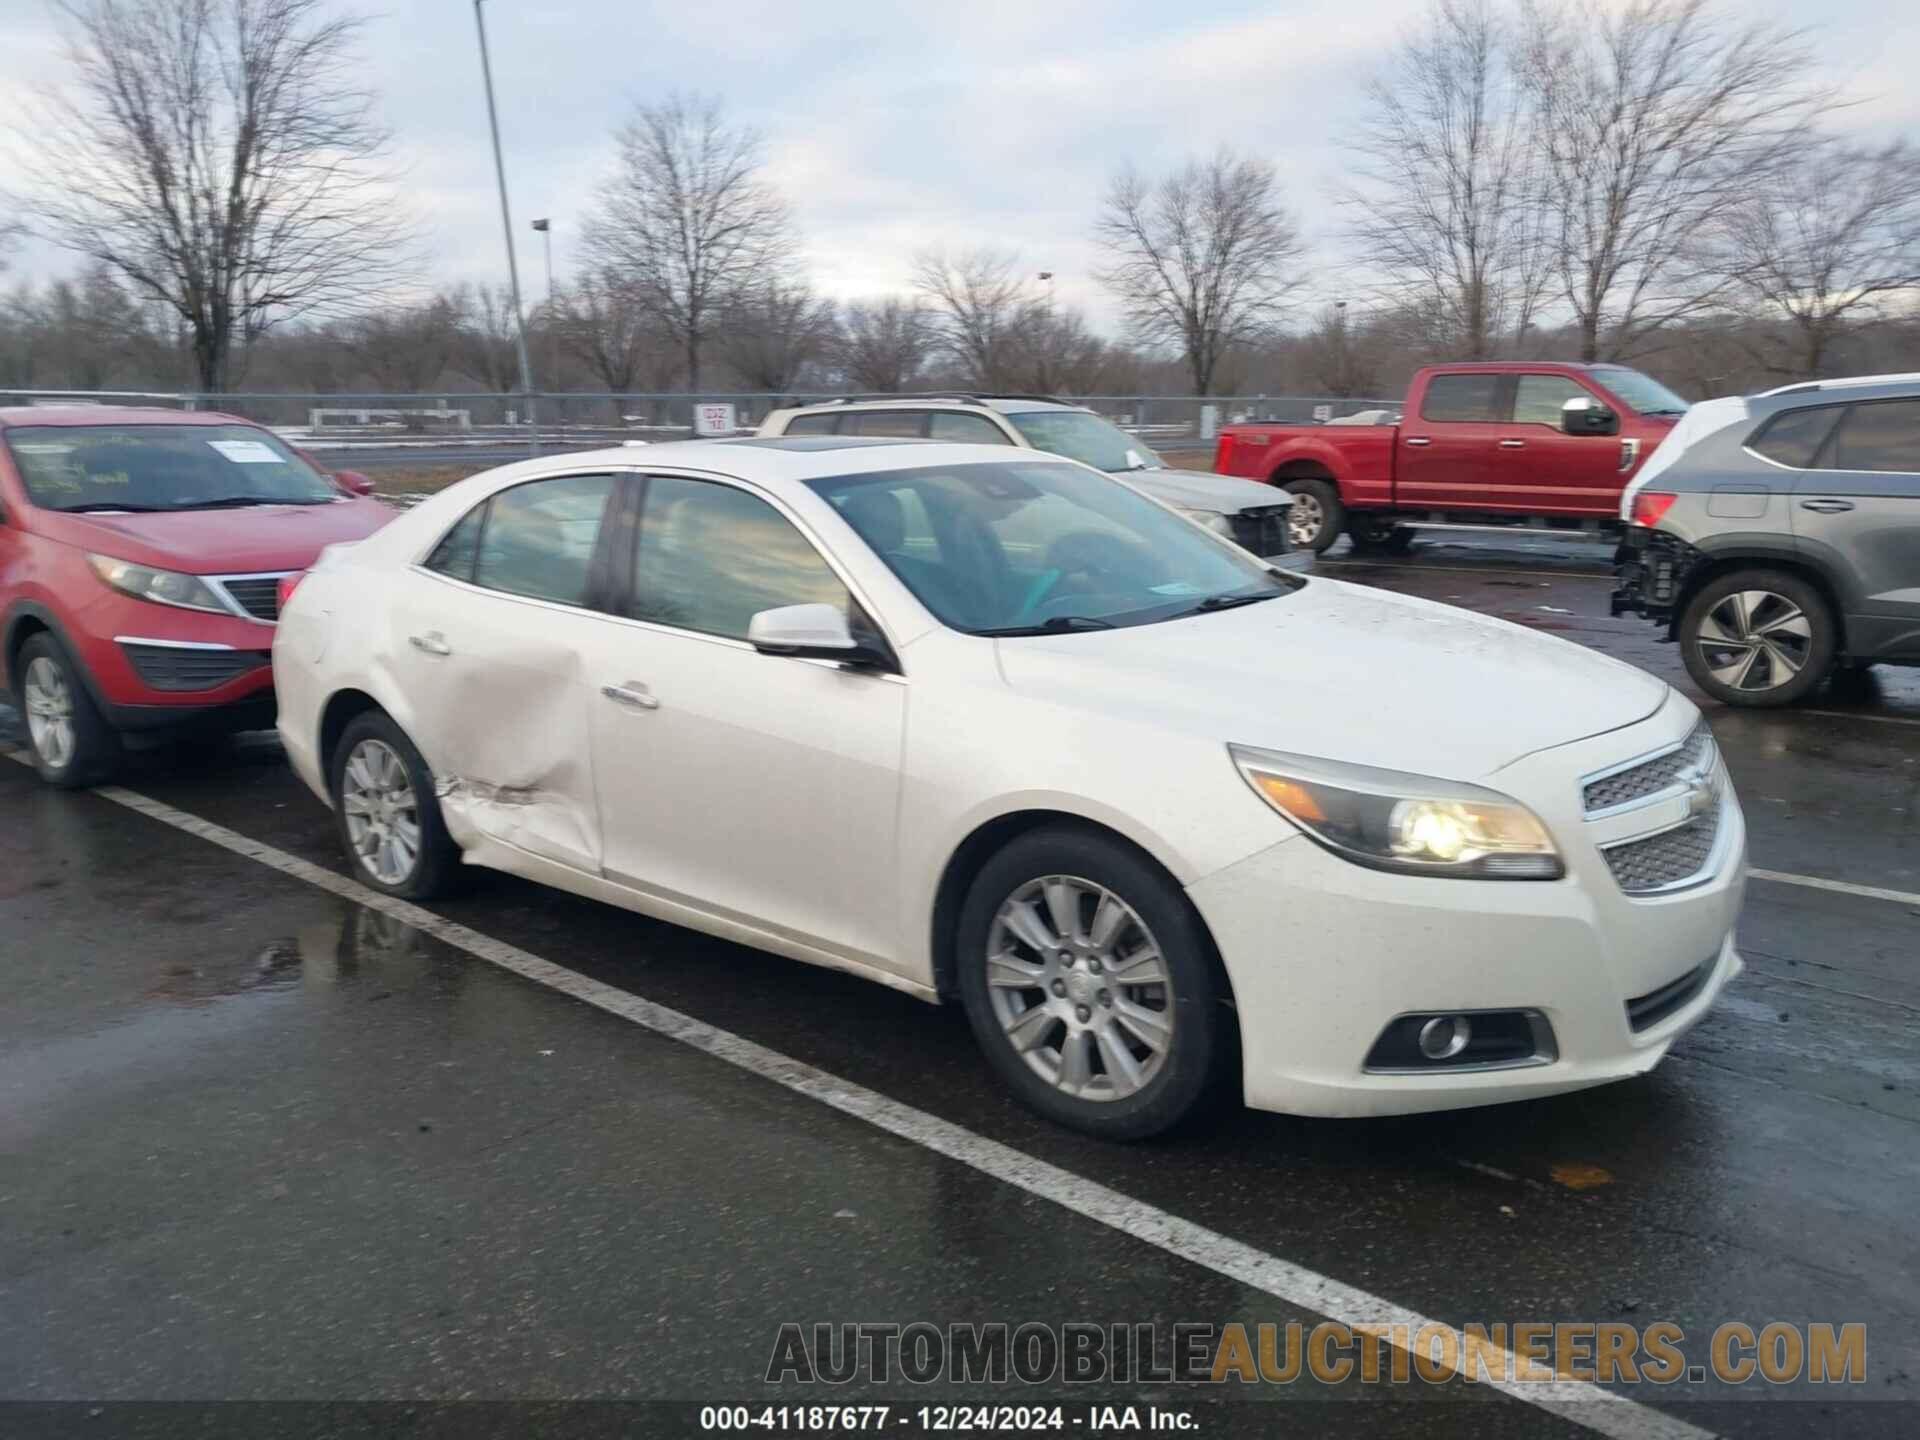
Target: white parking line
<point>1839,887</point>
<point>1581,1402</point>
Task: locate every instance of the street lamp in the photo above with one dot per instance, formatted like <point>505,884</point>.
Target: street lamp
<point>545,227</point>
<point>506,224</point>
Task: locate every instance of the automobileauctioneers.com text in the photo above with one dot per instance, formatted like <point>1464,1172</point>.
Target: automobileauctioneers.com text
<point>1329,1353</point>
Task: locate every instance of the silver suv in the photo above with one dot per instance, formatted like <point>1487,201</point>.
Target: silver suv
<point>1252,515</point>
<point>1777,537</point>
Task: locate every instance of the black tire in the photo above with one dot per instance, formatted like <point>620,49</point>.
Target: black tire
<point>1182,1082</point>
<point>1328,525</point>
<point>95,750</point>
<point>1785,666</point>
<point>436,864</point>
<point>1372,537</point>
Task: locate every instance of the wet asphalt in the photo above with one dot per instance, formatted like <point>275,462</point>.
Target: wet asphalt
<point>259,1144</point>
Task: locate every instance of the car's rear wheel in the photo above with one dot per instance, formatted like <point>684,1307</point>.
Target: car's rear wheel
<point>1758,638</point>
<point>1376,537</point>
<point>388,814</point>
<point>72,743</point>
<point>1090,984</point>
<point>1316,518</point>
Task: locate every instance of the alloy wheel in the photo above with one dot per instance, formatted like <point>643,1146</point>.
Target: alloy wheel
<point>382,813</point>
<point>49,706</point>
<point>1755,640</point>
<point>1304,519</point>
<point>1079,985</point>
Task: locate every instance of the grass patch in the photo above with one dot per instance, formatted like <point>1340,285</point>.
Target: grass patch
<point>419,479</point>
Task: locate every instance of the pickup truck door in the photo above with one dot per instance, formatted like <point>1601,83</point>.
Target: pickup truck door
<point>1447,452</point>
<point>1542,470</point>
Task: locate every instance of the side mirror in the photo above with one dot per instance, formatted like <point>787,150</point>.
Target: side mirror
<point>811,632</point>
<point>353,482</point>
<point>1584,415</point>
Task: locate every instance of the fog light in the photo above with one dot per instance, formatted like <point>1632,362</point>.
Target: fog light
<point>1445,1036</point>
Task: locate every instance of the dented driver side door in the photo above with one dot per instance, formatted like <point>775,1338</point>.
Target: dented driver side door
<point>491,635</point>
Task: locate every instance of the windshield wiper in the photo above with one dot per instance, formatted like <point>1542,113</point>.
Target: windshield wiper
<point>1231,601</point>
<point>235,502</point>
<point>1054,625</point>
<point>96,506</point>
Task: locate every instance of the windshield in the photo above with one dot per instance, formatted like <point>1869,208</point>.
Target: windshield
<point>161,467</point>
<point>1029,547</point>
<point>1083,437</point>
<point>1642,393</point>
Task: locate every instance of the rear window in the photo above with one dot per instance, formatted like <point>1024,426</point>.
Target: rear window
<point>161,467</point>
<point>816,424</point>
<point>1461,398</point>
<point>1794,437</point>
<point>1882,435</point>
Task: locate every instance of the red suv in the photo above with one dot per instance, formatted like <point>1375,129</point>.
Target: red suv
<point>141,556</point>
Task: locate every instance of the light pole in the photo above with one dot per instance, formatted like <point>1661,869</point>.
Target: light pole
<point>545,228</point>
<point>506,224</point>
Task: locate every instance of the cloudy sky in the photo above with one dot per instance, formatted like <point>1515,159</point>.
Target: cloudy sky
<point>889,127</point>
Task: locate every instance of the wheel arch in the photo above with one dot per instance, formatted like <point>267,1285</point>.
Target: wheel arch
<point>1727,562</point>
<point>340,711</point>
<point>30,618</point>
<point>1302,469</point>
<point>990,837</point>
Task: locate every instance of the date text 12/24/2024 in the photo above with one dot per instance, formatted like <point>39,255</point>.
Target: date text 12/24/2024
<point>947,1419</point>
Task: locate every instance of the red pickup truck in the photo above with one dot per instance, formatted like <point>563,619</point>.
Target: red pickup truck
<point>1480,445</point>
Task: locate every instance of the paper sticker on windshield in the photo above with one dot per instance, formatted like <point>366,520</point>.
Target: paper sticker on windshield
<point>246,452</point>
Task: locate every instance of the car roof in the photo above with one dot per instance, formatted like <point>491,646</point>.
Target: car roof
<point>952,400</point>
<point>14,416</point>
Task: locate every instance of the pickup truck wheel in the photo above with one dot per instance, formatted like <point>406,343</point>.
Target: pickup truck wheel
<point>1316,518</point>
<point>1758,638</point>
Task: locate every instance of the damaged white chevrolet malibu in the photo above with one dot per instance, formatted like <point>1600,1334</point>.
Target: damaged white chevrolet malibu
<point>1007,731</point>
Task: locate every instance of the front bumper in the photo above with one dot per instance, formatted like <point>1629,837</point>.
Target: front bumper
<point>1324,955</point>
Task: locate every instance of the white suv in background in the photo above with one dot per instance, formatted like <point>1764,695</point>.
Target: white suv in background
<point>1251,515</point>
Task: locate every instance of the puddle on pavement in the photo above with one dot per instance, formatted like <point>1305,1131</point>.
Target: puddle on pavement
<point>351,944</point>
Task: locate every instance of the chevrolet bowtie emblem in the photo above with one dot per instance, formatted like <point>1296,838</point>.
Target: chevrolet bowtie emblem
<point>1699,792</point>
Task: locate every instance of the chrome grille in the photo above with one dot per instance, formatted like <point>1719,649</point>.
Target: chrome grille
<point>1650,777</point>
<point>1669,858</point>
<point>258,595</point>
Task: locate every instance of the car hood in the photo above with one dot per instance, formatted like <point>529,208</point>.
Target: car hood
<point>1345,673</point>
<point>222,542</point>
<point>1199,490</point>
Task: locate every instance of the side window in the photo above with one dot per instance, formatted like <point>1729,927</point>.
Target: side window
<point>818,423</point>
<point>1461,398</point>
<point>909,423</point>
<point>1794,437</point>
<point>1880,435</point>
<point>455,553</point>
<point>1537,398</point>
<point>540,536</point>
<point>972,429</point>
<point>712,557</point>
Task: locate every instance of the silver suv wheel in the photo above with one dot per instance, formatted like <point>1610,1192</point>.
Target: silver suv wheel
<point>1755,640</point>
<point>49,707</point>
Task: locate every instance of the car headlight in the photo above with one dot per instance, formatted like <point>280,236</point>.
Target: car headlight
<point>1412,824</point>
<point>164,587</point>
<point>1212,519</point>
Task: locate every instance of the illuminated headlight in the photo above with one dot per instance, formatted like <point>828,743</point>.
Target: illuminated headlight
<point>1212,519</point>
<point>1412,824</point>
<point>163,587</point>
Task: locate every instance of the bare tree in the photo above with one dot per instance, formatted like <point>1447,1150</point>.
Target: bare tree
<point>1448,205</point>
<point>1202,258</point>
<point>404,349</point>
<point>486,337</point>
<point>1343,353</point>
<point>1827,242</point>
<point>977,298</point>
<point>1055,352</point>
<point>686,219</point>
<point>884,344</point>
<point>606,324</point>
<point>774,330</point>
<point>221,157</point>
<point>1652,118</point>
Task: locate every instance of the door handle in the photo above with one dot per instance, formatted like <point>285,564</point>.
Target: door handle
<point>1513,444</point>
<point>431,643</point>
<point>1418,440</point>
<point>1826,507</point>
<point>630,694</point>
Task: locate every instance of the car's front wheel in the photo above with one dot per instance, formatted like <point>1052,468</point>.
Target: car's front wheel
<point>1758,638</point>
<point>73,745</point>
<point>1090,984</point>
<point>388,814</point>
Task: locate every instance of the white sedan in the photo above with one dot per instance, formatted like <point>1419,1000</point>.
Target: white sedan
<point>1004,730</point>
